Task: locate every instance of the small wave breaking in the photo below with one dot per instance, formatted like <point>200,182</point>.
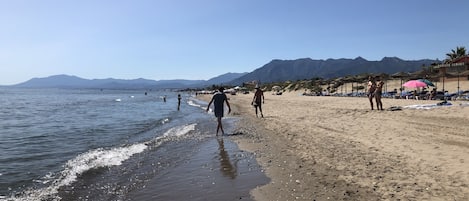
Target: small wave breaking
<point>93,159</point>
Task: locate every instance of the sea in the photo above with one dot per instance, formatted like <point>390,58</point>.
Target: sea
<point>92,144</point>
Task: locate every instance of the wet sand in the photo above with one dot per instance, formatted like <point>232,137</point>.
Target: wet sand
<point>216,170</point>
<point>336,148</point>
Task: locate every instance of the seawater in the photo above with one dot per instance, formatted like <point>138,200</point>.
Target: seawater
<point>59,144</point>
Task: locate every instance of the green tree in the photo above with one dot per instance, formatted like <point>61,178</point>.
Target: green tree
<point>456,54</point>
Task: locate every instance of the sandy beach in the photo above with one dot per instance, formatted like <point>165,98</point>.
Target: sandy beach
<point>336,148</point>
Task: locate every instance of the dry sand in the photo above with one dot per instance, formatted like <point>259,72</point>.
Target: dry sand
<point>336,148</point>
<point>390,85</point>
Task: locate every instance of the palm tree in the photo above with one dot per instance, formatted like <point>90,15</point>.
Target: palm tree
<point>455,54</point>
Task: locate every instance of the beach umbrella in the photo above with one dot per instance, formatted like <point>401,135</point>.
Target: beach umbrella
<point>276,88</point>
<point>414,84</point>
<point>400,75</point>
<point>428,82</point>
<point>417,74</point>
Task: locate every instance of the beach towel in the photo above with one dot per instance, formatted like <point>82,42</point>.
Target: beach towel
<point>429,106</point>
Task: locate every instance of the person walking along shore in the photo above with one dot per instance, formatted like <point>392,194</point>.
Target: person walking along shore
<point>218,100</point>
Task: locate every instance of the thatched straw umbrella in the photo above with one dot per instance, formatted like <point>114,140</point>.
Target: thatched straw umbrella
<point>401,76</point>
<point>417,75</point>
<point>346,80</point>
<point>443,75</point>
<point>384,77</point>
<point>363,79</point>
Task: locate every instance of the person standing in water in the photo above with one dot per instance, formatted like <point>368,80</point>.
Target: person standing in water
<point>258,100</point>
<point>179,101</point>
<point>218,100</point>
<point>371,90</point>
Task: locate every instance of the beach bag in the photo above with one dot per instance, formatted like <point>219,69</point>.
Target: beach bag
<point>253,103</point>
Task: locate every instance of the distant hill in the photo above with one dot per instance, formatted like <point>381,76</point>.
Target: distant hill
<point>223,79</point>
<point>283,70</point>
<point>68,81</point>
<point>274,71</point>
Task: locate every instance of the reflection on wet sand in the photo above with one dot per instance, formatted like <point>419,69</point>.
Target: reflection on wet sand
<point>226,167</point>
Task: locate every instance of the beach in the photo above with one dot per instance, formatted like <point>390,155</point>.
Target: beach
<point>67,144</point>
<point>337,148</point>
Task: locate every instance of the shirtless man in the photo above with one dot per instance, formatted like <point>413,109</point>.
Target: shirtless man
<point>371,90</point>
<point>378,93</point>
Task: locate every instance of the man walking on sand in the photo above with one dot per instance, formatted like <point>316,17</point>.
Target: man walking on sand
<point>218,99</point>
<point>258,100</point>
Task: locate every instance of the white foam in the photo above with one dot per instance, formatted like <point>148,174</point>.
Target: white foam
<point>93,159</point>
<point>180,130</point>
<point>73,168</point>
<point>191,103</point>
<point>197,103</point>
<point>98,158</point>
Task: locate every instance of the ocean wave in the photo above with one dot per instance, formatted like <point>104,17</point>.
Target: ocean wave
<point>196,103</point>
<point>179,130</point>
<point>93,159</point>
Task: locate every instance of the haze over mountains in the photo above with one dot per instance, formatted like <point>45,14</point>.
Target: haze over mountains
<point>274,71</point>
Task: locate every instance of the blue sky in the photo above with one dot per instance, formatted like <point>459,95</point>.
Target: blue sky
<point>201,39</point>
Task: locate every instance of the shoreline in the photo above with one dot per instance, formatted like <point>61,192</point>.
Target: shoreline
<point>335,148</point>
<point>292,176</point>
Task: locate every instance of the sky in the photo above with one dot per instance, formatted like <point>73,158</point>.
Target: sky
<point>201,39</point>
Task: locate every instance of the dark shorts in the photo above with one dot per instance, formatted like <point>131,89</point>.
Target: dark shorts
<point>218,112</point>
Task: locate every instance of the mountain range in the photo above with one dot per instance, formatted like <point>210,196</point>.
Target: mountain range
<point>299,69</point>
<point>70,81</point>
<point>274,71</point>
